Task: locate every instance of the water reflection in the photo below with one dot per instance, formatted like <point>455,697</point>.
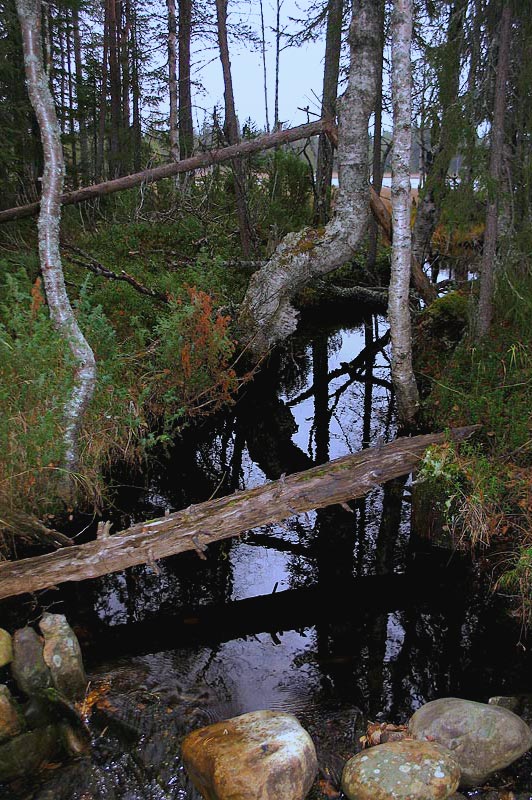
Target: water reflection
<point>343,603</point>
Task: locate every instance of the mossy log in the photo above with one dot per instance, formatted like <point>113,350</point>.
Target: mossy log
<point>198,526</point>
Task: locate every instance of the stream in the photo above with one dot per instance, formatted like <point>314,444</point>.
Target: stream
<point>343,615</point>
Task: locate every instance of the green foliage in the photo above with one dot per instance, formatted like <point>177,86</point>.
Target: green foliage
<point>35,379</point>
<point>149,384</point>
<point>485,491</point>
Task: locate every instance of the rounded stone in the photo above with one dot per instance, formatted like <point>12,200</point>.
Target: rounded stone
<point>406,770</point>
<point>264,754</point>
<point>6,648</point>
<point>482,738</point>
<point>11,721</point>
<point>28,667</point>
<point>62,654</point>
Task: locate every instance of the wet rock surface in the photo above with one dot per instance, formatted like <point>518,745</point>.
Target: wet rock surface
<point>482,738</point>
<point>401,771</point>
<point>28,667</point>
<point>263,754</point>
<point>28,752</point>
<point>6,648</point>
<point>11,721</point>
<point>62,655</point>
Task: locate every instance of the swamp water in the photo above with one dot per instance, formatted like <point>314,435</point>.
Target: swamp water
<point>337,616</point>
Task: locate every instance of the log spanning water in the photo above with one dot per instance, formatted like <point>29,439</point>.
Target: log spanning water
<point>196,527</point>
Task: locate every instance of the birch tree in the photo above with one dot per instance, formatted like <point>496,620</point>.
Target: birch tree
<point>268,314</point>
<point>29,13</point>
<point>398,307</point>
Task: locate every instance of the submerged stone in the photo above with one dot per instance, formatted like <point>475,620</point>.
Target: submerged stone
<point>264,754</point>
<point>404,770</point>
<point>28,752</point>
<point>28,667</point>
<point>11,721</point>
<point>482,738</point>
<point>62,655</point>
<point>6,648</point>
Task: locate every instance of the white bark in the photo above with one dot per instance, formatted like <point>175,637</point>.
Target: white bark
<point>29,13</point>
<point>267,312</point>
<point>398,307</point>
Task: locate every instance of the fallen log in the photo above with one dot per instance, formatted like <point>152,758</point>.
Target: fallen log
<point>206,159</point>
<point>198,526</point>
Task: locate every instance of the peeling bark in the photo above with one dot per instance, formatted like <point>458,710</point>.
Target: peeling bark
<point>398,308</point>
<point>267,312</point>
<point>29,13</point>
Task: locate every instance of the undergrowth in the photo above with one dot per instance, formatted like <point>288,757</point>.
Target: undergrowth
<point>484,490</point>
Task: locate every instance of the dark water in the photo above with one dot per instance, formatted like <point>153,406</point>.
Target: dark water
<point>334,611</point>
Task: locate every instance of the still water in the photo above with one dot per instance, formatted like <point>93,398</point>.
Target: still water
<point>344,609</point>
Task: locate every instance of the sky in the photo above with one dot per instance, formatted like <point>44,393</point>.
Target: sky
<point>301,70</point>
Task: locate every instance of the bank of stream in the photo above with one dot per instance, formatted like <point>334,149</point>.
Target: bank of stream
<point>340,616</point>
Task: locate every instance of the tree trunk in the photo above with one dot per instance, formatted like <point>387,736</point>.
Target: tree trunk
<point>71,111</point>
<point>135,93</point>
<point>100,150</point>
<point>186,127</point>
<point>324,168</point>
<point>231,128</point>
<point>398,308</point>
<point>175,168</point>
<point>268,315</point>
<point>80,99</point>
<point>277,64</point>
<point>377,170</point>
<point>126,140</point>
<point>198,526</point>
<point>489,252</point>
<point>172,80</point>
<point>264,72</point>
<point>115,88</point>
<point>29,12</point>
<point>449,138</point>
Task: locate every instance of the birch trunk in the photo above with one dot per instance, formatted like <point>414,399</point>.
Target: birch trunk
<point>29,13</point>
<point>268,315</point>
<point>489,252</point>
<point>398,307</point>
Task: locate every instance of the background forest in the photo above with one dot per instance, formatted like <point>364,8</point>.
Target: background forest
<point>156,272</point>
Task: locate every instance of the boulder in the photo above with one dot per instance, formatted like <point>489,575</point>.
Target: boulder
<point>404,770</point>
<point>28,667</point>
<point>62,655</point>
<point>11,721</point>
<point>6,648</point>
<point>482,738</point>
<point>264,754</point>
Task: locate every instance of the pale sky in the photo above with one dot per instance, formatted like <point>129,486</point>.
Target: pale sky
<point>301,71</point>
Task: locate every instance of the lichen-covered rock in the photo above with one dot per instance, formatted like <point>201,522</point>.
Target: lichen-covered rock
<point>28,667</point>
<point>62,655</point>
<point>6,648</point>
<point>404,770</point>
<point>11,721</point>
<point>264,754</point>
<point>28,752</point>
<point>482,738</point>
